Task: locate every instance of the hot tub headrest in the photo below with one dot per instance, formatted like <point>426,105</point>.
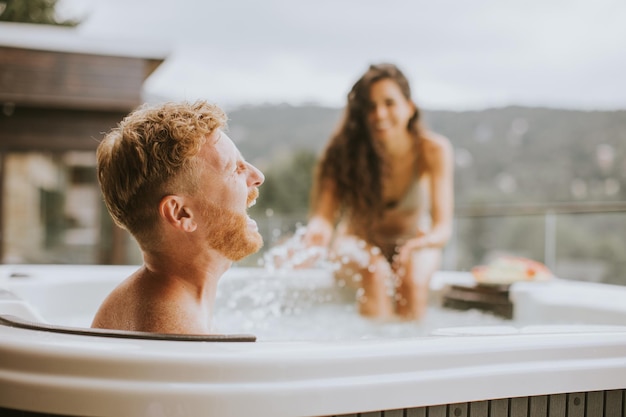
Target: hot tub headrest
<point>13,321</point>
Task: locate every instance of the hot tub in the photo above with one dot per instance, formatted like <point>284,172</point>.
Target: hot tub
<point>563,354</point>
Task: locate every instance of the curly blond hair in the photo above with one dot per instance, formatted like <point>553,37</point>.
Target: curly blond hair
<point>150,155</point>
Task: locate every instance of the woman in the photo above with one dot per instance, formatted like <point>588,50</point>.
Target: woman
<point>383,197</point>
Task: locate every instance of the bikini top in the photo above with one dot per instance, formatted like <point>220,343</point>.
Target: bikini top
<point>415,198</point>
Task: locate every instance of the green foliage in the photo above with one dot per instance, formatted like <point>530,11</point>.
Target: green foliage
<point>506,155</point>
<point>287,184</point>
<point>32,11</point>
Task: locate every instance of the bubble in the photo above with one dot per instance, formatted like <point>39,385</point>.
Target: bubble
<point>371,268</point>
<point>357,277</point>
<point>360,295</point>
<point>395,281</point>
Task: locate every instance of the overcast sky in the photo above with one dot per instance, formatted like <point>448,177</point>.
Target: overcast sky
<point>457,54</point>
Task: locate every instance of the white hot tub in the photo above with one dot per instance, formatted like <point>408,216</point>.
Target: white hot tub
<point>563,354</point>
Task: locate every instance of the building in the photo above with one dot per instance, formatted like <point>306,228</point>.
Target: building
<point>59,92</point>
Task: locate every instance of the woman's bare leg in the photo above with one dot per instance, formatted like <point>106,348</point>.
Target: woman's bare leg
<point>366,269</point>
<point>414,282</point>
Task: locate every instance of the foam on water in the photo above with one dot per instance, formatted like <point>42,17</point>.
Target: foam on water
<point>284,306</point>
<point>340,322</point>
<point>283,302</point>
<point>280,306</point>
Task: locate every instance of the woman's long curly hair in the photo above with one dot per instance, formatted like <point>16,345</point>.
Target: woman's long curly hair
<point>352,160</point>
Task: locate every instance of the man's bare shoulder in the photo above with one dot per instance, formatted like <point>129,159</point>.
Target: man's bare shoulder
<point>136,307</point>
<point>115,310</point>
<point>175,315</point>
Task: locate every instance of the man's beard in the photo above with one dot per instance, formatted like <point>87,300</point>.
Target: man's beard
<point>228,233</point>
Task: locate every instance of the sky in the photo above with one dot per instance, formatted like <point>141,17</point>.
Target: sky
<point>458,54</point>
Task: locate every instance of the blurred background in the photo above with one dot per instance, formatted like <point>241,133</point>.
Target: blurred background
<point>531,94</point>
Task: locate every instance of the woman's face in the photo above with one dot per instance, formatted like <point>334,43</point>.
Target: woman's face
<point>389,111</point>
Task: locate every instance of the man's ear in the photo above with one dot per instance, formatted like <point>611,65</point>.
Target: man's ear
<point>173,210</point>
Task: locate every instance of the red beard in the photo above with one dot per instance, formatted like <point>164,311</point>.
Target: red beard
<point>228,231</point>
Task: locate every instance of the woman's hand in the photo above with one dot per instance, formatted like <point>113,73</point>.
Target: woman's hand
<point>304,249</point>
<point>422,241</point>
<point>319,232</point>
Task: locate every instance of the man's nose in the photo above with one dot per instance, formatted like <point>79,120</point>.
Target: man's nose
<point>256,177</point>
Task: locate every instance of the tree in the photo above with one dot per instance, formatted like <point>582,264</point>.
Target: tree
<point>287,184</point>
<point>32,11</point>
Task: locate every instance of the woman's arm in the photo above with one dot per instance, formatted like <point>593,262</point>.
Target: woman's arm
<point>440,162</point>
<point>438,157</point>
<point>320,227</point>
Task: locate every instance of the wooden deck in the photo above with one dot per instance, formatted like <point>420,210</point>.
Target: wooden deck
<point>611,403</point>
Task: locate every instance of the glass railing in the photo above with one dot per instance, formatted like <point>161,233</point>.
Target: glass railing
<point>579,241</point>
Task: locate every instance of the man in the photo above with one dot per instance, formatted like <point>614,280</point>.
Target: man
<point>172,177</point>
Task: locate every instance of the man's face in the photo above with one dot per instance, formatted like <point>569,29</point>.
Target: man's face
<point>228,186</point>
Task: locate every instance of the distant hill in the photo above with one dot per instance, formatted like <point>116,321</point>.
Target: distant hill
<point>264,133</point>
<point>502,155</point>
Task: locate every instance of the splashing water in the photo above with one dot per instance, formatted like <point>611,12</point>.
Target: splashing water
<point>295,254</point>
<point>308,305</point>
<point>295,297</point>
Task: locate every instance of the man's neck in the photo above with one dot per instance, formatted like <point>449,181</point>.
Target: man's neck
<point>199,276</point>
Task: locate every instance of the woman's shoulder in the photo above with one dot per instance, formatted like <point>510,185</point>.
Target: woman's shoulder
<point>435,144</point>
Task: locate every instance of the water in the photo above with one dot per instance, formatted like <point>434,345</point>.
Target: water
<point>286,303</point>
<point>342,322</point>
<point>310,306</point>
<point>294,254</point>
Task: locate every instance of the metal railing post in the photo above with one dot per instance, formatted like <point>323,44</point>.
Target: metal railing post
<point>550,239</point>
